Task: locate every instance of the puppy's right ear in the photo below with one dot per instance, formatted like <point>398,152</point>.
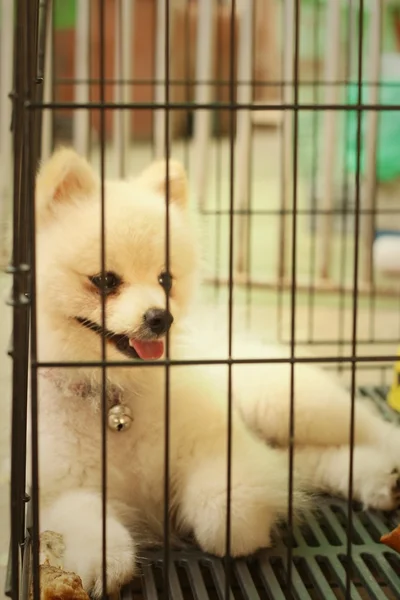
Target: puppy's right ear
<point>65,178</point>
<point>155,178</point>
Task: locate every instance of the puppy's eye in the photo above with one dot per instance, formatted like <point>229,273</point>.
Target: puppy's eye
<point>165,280</point>
<point>108,282</point>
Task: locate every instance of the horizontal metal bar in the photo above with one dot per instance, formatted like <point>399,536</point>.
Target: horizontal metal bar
<point>308,212</point>
<point>222,361</point>
<point>220,82</point>
<point>323,286</point>
<point>211,106</point>
<point>341,341</point>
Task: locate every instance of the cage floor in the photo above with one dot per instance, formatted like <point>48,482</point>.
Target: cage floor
<point>319,565</point>
<point>319,558</point>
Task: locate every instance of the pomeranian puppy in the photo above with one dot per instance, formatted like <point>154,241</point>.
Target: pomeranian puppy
<point>137,318</point>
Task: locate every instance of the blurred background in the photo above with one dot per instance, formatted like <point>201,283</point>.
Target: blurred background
<point>296,165</point>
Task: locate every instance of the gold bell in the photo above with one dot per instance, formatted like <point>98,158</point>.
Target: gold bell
<point>119,417</point>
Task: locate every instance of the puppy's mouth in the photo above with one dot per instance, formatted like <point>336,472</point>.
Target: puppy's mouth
<point>129,347</point>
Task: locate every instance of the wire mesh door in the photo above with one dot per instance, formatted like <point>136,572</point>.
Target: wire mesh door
<point>289,253</point>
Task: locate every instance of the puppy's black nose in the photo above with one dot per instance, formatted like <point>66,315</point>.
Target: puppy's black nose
<point>158,321</point>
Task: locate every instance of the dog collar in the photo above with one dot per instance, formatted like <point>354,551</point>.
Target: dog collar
<point>119,415</point>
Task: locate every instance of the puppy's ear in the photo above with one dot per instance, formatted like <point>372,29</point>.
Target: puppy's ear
<point>66,177</point>
<point>155,178</point>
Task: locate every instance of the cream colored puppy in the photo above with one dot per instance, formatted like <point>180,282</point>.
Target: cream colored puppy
<point>70,328</point>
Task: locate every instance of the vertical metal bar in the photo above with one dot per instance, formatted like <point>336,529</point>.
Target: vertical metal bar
<point>102,84</point>
<point>281,260</point>
<point>243,134</point>
<point>218,161</point>
<point>122,88</point>
<point>127,67</point>
<point>371,136</point>
<point>20,315</point>
<point>330,123</point>
<point>314,172</point>
<point>232,82</point>
<point>167,151</point>
<point>81,118</point>
<point>43,28</point>
<point>128,41</point>
<point>296,61</point>
<point>160,76</point>
<point>36,16</point>
<point>47,134</point>
<point>355,298</point>
<point>118,115</point>
<point>187,76</point>
<point>350,37</point>
<point>287,132</point>
<point>203,95</point>
<point>6,82</point>
<point>371,141</point>
<point>249,275</point>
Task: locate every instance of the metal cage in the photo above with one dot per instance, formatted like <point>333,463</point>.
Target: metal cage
<point>279,254</point>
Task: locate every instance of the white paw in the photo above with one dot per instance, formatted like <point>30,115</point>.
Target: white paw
<point>77,516</point>
<point>250,527</point>
<point>381,490</point>
<point>85,559</point>
<point>253,509</point>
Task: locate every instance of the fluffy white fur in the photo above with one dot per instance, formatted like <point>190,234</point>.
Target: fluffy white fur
<point>68,252</point>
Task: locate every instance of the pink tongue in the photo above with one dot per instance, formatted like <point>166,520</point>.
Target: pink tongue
<point>147,350</point>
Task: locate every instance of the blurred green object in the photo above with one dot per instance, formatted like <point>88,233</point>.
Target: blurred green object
<point>313,19</point>
<point>65,14</point>
<point>388,147</point>
<point>313,38</point>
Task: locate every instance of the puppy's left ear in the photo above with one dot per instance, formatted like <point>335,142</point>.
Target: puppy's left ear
<point>155,177</point>
<point>63,180</point>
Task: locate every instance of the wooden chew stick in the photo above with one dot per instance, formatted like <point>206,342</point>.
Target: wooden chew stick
<point>55,583</point>
<point>392,539</point>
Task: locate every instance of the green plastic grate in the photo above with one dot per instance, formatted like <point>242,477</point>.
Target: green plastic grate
<point>319,564</point>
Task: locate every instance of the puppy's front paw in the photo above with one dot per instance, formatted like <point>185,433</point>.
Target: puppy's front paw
<point>253,508</point>
<point>250,526</point>
<point>85,559</point>
<point>77,516</point>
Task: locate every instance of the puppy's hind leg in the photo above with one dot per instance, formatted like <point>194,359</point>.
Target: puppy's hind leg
<point>376,479</point>
<point>322,407</point>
